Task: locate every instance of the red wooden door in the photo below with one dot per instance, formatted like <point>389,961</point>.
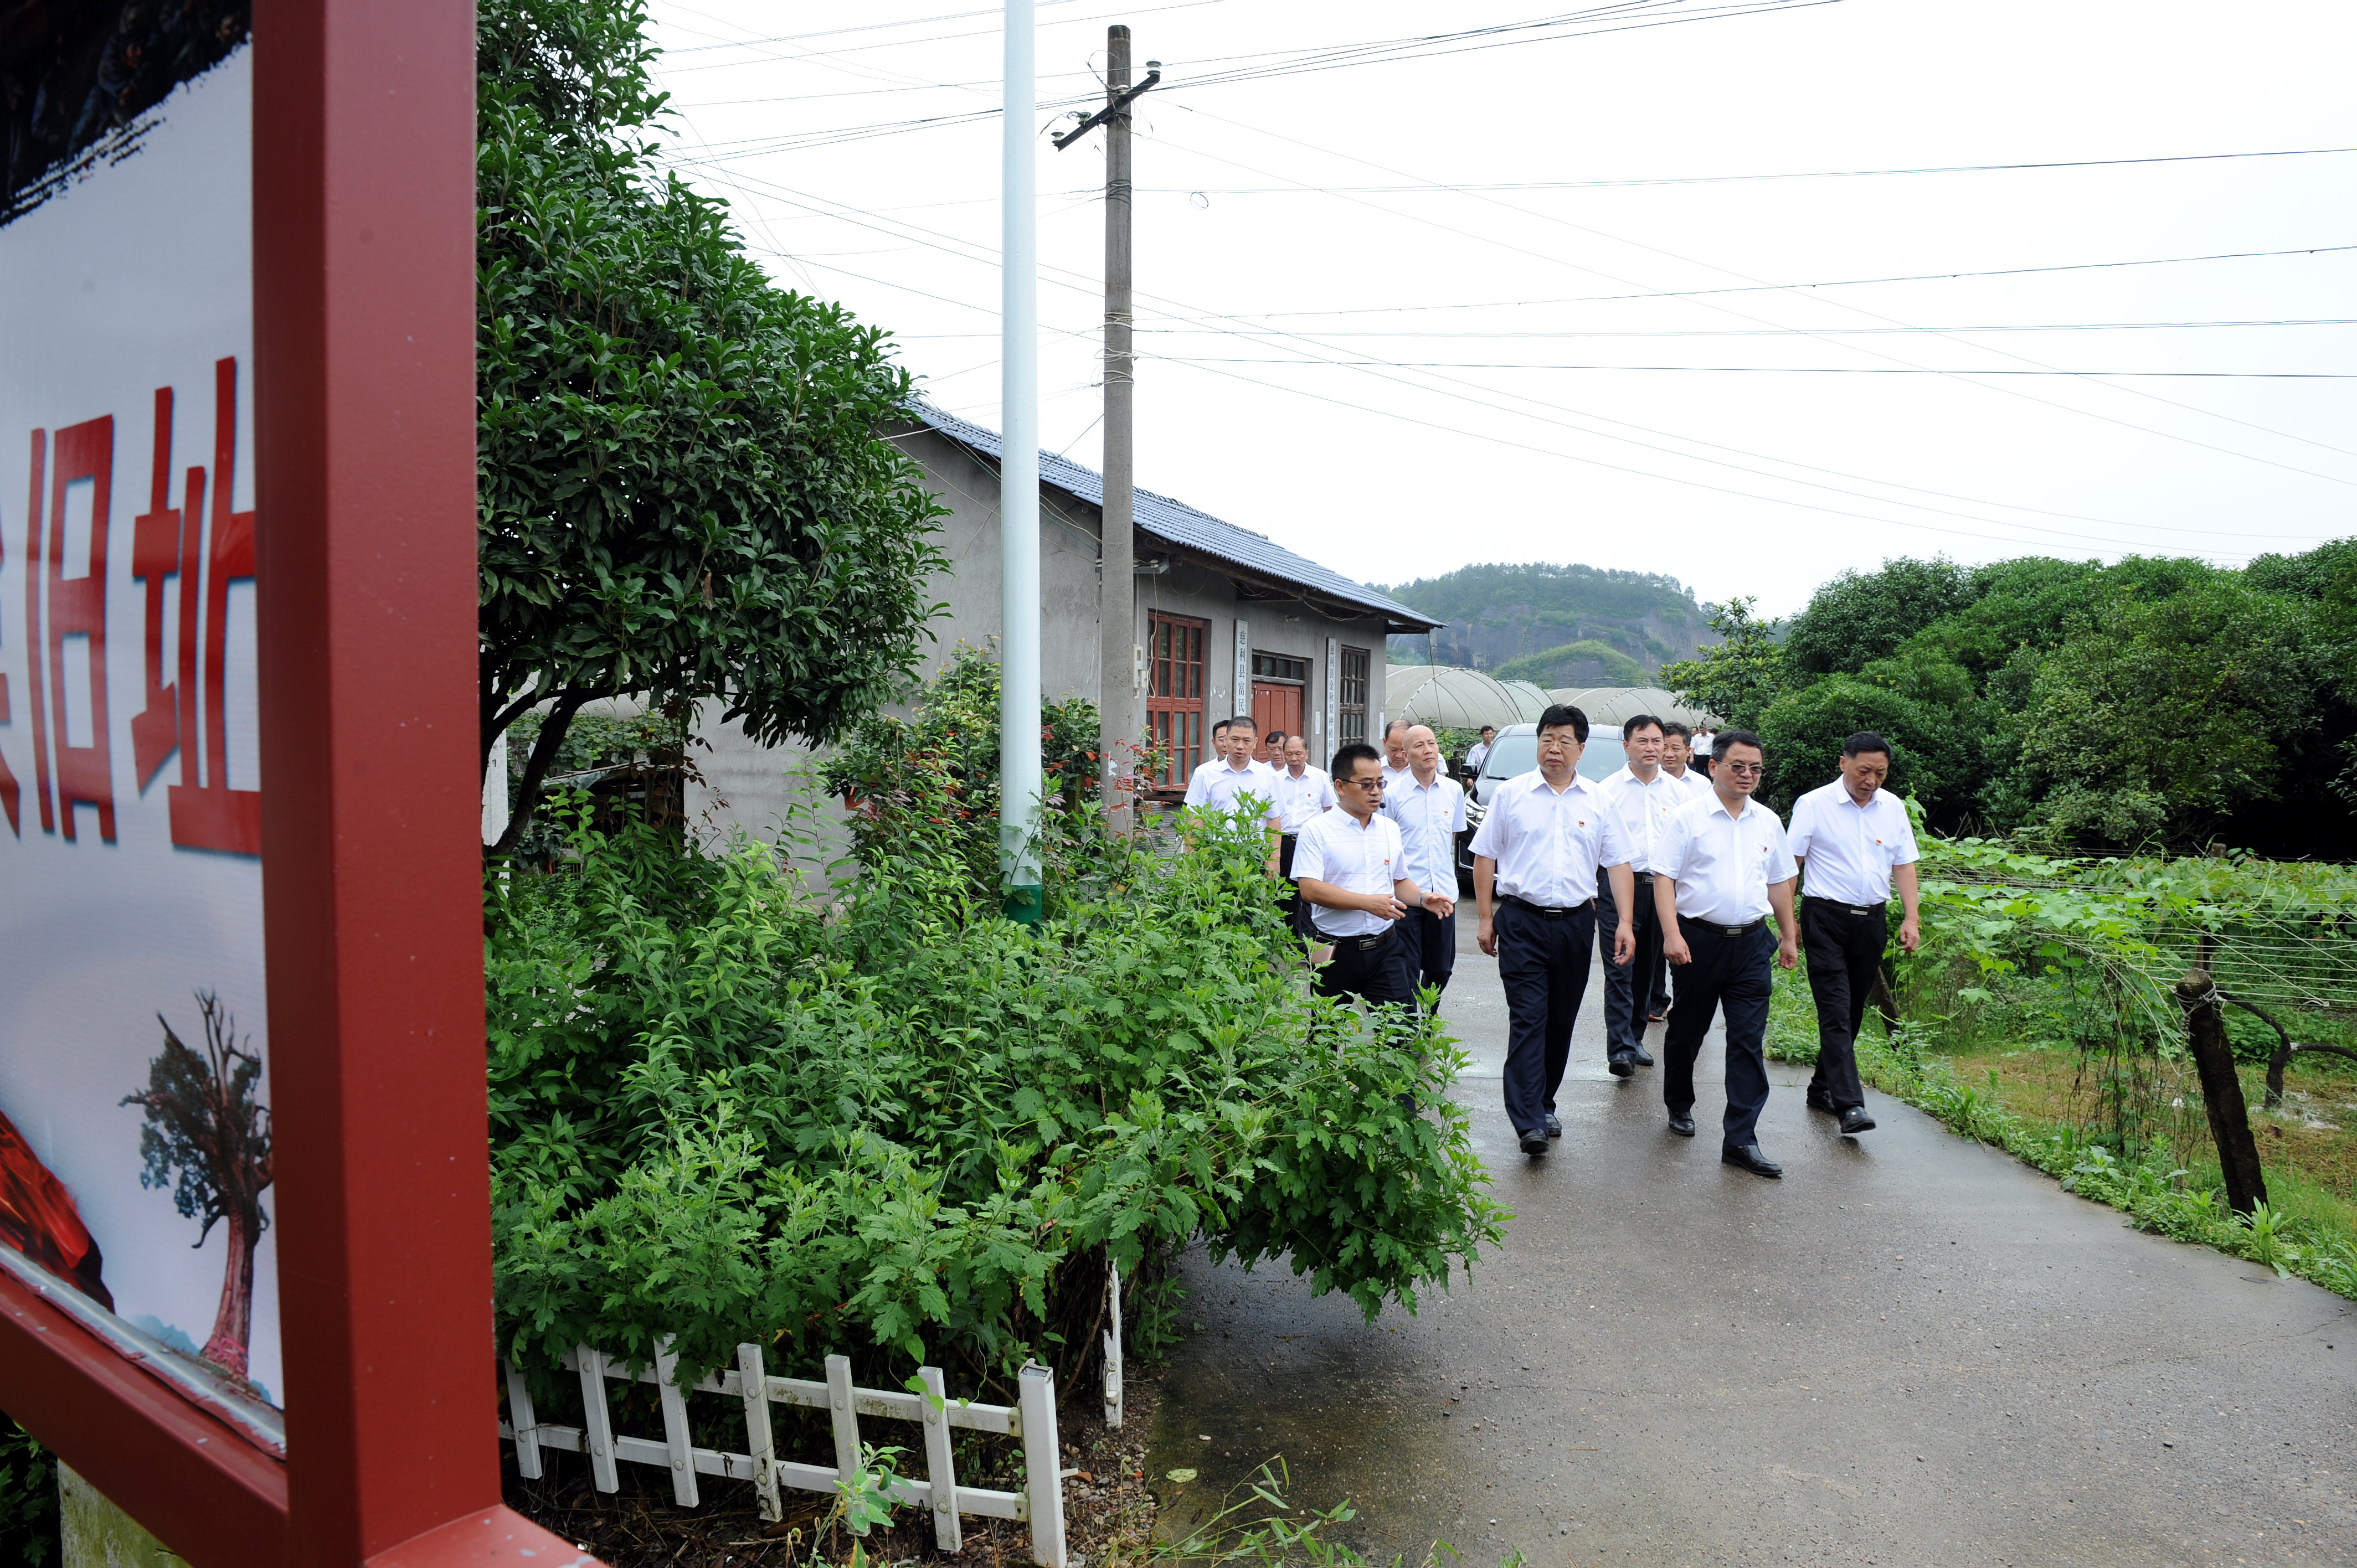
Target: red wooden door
<point>1274,706</point>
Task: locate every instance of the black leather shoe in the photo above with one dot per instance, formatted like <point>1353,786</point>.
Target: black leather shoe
<point>1643,1056</point>
<point>1817,1102</point>
<point>1534,1144</point>
<point>1555,1125</point>
<point>1682,1125</point>
<point>1746,1157</point>
<point>1621,1067</point>
<point>1854,1119</point>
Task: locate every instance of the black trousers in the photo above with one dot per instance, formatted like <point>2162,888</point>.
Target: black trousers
<point>1626,985</point>
<point>1382,971</point>
<point>1434,944</point>
<point>1844,952</point>
<point>1544,963</point>
<point>1294,905</point>
<point>1735,972</point>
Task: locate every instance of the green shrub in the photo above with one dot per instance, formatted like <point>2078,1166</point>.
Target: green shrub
<point>875,1118</point>
<point>29,1498</point>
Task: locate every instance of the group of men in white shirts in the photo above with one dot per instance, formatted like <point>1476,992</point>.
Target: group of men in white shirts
<point>1658,861</point>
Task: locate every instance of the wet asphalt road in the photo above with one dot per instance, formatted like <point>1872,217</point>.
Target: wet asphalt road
<point>1910,1350</point>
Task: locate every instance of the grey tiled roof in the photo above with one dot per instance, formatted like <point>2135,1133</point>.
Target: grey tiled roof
<point>1176,522</point>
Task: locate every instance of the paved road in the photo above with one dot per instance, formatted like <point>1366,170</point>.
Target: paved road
<point>1910,1350</point>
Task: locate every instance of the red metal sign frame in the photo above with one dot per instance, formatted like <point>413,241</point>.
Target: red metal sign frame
<point>364,327</point>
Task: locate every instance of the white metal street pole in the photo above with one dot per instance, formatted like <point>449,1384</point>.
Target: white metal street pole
<point>1018,486</point>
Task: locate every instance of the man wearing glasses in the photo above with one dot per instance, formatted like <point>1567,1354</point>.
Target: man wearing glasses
<point>1348,863</point>
<point>1721,868</point>
<point>1535,863</point>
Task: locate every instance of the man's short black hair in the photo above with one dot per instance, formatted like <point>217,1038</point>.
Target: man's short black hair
<point>1273,737</point>
<point>1643,721</point>
<point>1489,729</point>
<point>1395,724</point>
<point>1221,728</point>
<point>1727,737</point>
<point>1559,715</point>
<point>1864,741</point>
<point>1346,761</point>
<point>1673,727</point>
<point>1244,719</point>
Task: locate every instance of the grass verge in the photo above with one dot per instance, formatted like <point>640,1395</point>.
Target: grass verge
<point>2032,1101</point>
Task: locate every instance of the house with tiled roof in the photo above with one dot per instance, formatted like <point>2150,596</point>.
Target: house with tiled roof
<point>1227,620</point>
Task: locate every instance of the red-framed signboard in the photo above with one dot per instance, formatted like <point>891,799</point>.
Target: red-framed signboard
<point>244,1232</point>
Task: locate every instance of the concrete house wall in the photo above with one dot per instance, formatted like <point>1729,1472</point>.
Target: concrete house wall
<point>751,786</point>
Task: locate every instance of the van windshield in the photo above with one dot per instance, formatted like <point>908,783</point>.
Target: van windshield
<point>1515,754</point>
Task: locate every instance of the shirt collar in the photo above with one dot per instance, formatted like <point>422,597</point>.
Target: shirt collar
<point>1538,782</point>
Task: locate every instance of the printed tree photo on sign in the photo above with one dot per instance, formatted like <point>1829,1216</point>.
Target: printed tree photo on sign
<point>208,1138</point>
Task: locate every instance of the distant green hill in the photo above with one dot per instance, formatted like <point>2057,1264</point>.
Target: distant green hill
<point>1498,613</point>
<point>1587,662</point>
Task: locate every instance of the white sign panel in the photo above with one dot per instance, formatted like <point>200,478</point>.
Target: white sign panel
<point>135,1128</point>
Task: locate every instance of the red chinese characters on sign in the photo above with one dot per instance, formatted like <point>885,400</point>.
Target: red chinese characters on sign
<point>187,712</point>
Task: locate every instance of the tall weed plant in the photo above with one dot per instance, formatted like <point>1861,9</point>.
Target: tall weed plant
<point>869,1115</point>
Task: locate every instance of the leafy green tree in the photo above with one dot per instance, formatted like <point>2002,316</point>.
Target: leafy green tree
<point>1860,616</point>
<point>1737,677</point>
<point>2162,718</point>
<point>1804,732</point>
<point>683,492</point>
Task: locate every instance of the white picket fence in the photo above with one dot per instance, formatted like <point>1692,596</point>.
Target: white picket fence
<point>1031,1421</point>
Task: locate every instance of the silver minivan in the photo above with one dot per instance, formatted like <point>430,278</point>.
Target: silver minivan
<point>1516,751</point>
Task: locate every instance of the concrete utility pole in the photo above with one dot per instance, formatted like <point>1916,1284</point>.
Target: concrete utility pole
<point>1018,486</point>
<point>1118,652</point>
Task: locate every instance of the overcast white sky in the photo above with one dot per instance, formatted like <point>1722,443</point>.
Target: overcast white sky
<point>1401,381</point>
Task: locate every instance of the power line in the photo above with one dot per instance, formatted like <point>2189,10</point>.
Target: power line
<point>1861,349</point>
<point>1786,370</point>
<point>1467,185</point>
<point>1829,331</point>
<point>1823,283</point>
<point>1521,409</point>
<point>1302,62</point>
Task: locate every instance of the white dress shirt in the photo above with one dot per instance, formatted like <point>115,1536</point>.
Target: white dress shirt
<point>1724,865</point>
<point>1549,846</point>
<point>1429,817</point>
<point>1638,810</point>
<point>1476,755</point>
<point>1334,848</point>
<point>1851,848</point>
<point>1301,800</point>
<point>1218,787</point>
<point>1394,777</point>
<point>1693,781</point>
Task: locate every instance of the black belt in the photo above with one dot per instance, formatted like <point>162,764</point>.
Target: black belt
<point>1543,910</point>
<point>1848,909</point>
<point>1360,944</point>
<point>1742,930</point>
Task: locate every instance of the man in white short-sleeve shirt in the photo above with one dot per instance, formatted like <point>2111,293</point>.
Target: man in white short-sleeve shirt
<point>1479,752</point>
<point>1226,785</point>
<point>1303,792</point>
<point>1852,842</point>
<point>1394,753</point>
<point>1641,797</point>
<point>1348,864</point>
<point>1429,807</point>
<point>1542,842</point>
<point>1721,868</point>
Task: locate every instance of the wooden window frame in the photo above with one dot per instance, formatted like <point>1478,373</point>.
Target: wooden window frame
<point>1176,648</point>
<point>1350,705</point>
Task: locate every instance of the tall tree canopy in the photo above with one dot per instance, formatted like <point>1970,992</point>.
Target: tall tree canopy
<point>684,493</point>
<point>2156,700</point>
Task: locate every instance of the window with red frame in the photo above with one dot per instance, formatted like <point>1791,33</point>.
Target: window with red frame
<point>1174,694</point>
